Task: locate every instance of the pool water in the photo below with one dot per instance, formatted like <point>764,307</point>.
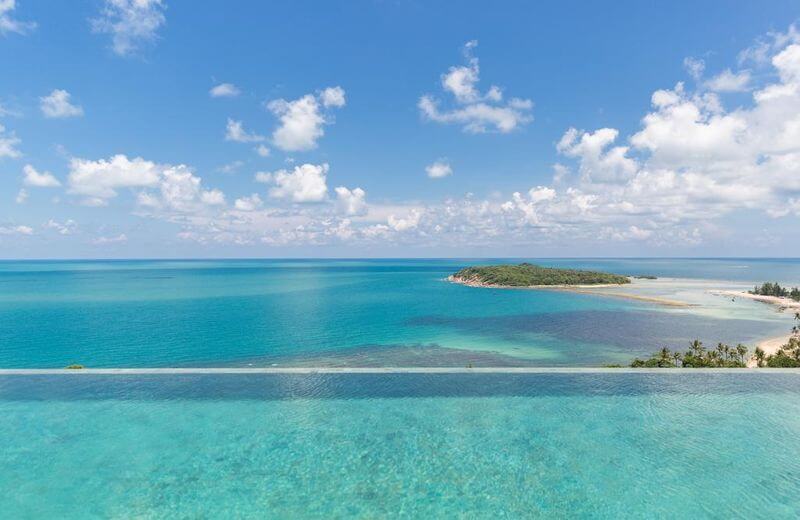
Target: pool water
<point>492,445</point>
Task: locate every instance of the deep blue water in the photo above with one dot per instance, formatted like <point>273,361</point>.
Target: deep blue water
<point>348,312</point>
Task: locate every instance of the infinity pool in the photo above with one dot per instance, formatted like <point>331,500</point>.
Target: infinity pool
<point>595,444</point>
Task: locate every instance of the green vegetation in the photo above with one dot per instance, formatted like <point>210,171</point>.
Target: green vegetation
<point>774,289</point>
<point>525,275</point>
<point>725,356</point>
<point>75,366</point>
<point>788,356</point>
<point>646,277</point>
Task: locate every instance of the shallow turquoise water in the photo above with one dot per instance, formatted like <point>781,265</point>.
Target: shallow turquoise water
<point>421,446</point>
<point>348,312</point>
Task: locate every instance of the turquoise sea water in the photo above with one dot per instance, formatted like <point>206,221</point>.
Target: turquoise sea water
<point>596,445</point>
<point>351,312</point>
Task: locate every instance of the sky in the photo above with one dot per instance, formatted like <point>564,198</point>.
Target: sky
<point>179,129</point>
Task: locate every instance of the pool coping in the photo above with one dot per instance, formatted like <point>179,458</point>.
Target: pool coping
<point>387,370</point>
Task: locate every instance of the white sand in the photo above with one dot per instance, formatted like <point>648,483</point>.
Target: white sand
<point>782,303</point>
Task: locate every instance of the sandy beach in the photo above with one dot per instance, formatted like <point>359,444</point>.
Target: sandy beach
<point>781,303</point>
<point>769,346</point>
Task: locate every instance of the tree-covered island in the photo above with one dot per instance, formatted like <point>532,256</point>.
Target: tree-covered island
<point>529,275</point>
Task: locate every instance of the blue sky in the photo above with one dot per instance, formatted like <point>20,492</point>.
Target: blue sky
<point>139,128</point>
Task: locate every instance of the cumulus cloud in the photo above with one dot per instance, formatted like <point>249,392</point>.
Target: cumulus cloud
<point>251,203</point>
<point>689,164</point>
<point>8,144</point>
<point>302,120</point>
<point>234,131</point>
<point>262,150</point>
<point>305,183</point>
<point>728,81</point>
<point>39,179</point>
<point>333,97</point>
<point>132,24</point>
<point>160,186</point>
<point>351,202</point>
<point>57,105</point>
<point>8,24</point>
<point>102,178</point>
<point>476,112</point>
<point>406,222</point>
<point>22,196</point>
<point>224,90</point>
<point>598,162</point>
<point>438,169</point>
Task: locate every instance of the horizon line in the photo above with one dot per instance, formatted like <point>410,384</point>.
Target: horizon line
<point>381,370</point>
<point>199,258</point>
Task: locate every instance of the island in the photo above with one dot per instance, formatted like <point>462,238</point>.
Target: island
<point>529,275</point>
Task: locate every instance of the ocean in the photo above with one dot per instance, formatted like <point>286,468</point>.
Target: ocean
<point>228,313</point>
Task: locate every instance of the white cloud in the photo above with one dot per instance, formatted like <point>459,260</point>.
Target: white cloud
<point>39,179</point>
<point>231,167</point>
<point>475,112</point>
<point>224,90</point>
<point>117,239</point>
<point>302,120</point>
<point>351,202</point>
<point>306,183</point>
<point>8,143</point>
<point>16,230</point>
<point>440,168</point>
<point>694,66</point>
<point>22,196</point>
<point>333,97</point>
<point>132,24</point>
<point>597,163</point>
<point>670,184</point>
<point>214,197</point>
<point>728,81</point>
<point>102,178</point>
<point>406,222</point>
<point>67,227</point>
<point>9,24</point>
<point>234,131</point>
<point>763,48</point>
<point>5,111</point>
<point>163,187</point>
<point>181,191</point>
<point>251,203</point>
<point>262,150</point>
<point>57,105</point>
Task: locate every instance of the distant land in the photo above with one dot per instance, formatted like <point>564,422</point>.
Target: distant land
<point>529,275</point>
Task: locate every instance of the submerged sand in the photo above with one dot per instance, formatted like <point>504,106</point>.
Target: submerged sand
<point>596,289</point>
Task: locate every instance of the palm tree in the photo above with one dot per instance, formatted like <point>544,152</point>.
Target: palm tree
<point>677,357</point>
<point>760,355</point>
<point>741,350</point>
<point>796,328</point>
